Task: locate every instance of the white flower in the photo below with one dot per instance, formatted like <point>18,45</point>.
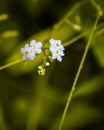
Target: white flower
<point>27,52</point>
<point>36,46</point>
<point>57,53</point>
<point>56,44</point>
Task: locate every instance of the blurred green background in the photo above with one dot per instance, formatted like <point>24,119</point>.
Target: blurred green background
<point>32,102</point>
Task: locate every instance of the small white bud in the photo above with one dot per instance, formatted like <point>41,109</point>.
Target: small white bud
<point>40,67</point>
<point>47,63</point>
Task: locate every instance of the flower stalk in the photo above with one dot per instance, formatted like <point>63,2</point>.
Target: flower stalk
<point>79,71</point>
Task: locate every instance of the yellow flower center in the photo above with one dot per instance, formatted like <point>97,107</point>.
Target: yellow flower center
<point>34,47</point>
<point>26,53</point>
<point>57,44</point>
<point>57,52</point>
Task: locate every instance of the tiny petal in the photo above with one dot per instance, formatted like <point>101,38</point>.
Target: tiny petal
<point>58,41</point>
<point>32,43</point>
<point>32,56</point>
<point>59,58</point>
<point>26,46</point>
<point>62,53</point>
<point>52,49</point>
<point>38,51</point>
<point>51,41</point>
<point>39,44</point>
<point>54,56</point>
<point>61,47</point>
<point>24,57</point>
<point>22,50</point>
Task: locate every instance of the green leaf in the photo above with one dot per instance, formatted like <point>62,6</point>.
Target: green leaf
<point>89,87</point>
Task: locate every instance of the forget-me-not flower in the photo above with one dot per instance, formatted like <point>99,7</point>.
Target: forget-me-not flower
<point>36,46</point>
<point>27,52</point>
<point>56,44</point>
<point>57,53</point>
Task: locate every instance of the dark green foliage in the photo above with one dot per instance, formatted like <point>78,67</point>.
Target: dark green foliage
<point>32,102</point>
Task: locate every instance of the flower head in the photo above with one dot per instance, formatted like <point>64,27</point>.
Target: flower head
<point>57,53</point>
<point>56,44</point>
<point>27,52</point>
<point>36,46</point>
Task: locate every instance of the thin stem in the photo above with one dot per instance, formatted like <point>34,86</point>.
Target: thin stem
<point>99,32</point>
<point>74,39</point>
<point>74,25</point>
<point>11,64</point>
<point>58,25</point>
<point>98,8</point>
<point>78,73</point>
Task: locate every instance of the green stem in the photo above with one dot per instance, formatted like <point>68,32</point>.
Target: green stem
<point>99,32</point>
<point>74,39</point>
<point>11,64</point>
<point>78,73</point>
<point>98,8</point>
<point>58,25</point>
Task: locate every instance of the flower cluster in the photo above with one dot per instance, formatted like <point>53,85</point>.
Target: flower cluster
<point>31,50</point>
<point>56,49</point>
